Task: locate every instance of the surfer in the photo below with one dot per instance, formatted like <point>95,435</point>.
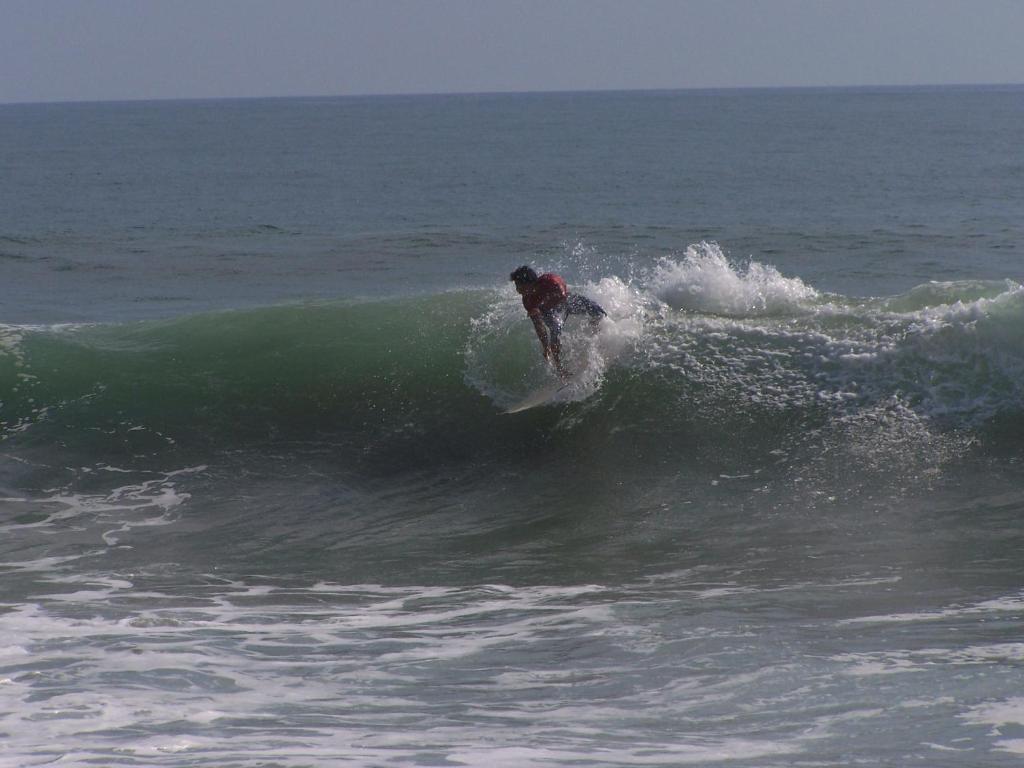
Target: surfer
<point>548,302</point>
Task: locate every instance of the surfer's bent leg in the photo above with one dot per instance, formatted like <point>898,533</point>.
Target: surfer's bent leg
<point>581,305</point>
<point>553,319</point>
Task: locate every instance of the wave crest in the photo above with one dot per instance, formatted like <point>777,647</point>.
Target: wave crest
<point>706,281</point>
<point>696,344</point>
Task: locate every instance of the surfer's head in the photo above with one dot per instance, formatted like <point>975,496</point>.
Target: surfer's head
<point>524,274</point>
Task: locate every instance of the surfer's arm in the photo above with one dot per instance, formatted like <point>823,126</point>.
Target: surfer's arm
<point>542,332</point>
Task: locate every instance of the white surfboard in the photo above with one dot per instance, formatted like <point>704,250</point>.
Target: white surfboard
<point>540,397</point>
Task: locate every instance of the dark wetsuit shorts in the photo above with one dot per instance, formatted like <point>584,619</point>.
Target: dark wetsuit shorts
<point>574,304</point>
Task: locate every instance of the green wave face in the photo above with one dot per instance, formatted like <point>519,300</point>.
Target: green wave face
<point>294,370</point>
<point>421,380</point>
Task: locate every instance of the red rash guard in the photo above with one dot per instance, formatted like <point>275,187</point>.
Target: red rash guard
<point>546,293</point>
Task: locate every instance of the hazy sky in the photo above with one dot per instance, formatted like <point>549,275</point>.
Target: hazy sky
<point>54,50</point>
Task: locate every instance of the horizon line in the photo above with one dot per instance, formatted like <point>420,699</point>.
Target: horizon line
<point>528,92</point>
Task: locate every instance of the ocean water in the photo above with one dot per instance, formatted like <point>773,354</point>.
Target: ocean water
<point>260,504</point>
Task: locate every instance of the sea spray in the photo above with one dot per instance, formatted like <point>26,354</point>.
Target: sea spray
<point>705,281</point>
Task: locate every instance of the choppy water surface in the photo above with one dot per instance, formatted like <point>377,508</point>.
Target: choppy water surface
<point>260,504</point>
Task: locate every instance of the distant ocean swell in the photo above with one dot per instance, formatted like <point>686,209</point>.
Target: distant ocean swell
<point>695,342</point>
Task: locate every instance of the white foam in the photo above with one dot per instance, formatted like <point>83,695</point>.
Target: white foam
<point>504,334</point>
<point>700,752</point>
<point>228,672</point>
<point>749,332</point>
<point>705,281</point>
<point>997,713</point>
<point>233,677</point>
<point>10,342</point>
<point>1013,602</point>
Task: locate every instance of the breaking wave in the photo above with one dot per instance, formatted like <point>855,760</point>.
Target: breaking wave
<point>692,343</point>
